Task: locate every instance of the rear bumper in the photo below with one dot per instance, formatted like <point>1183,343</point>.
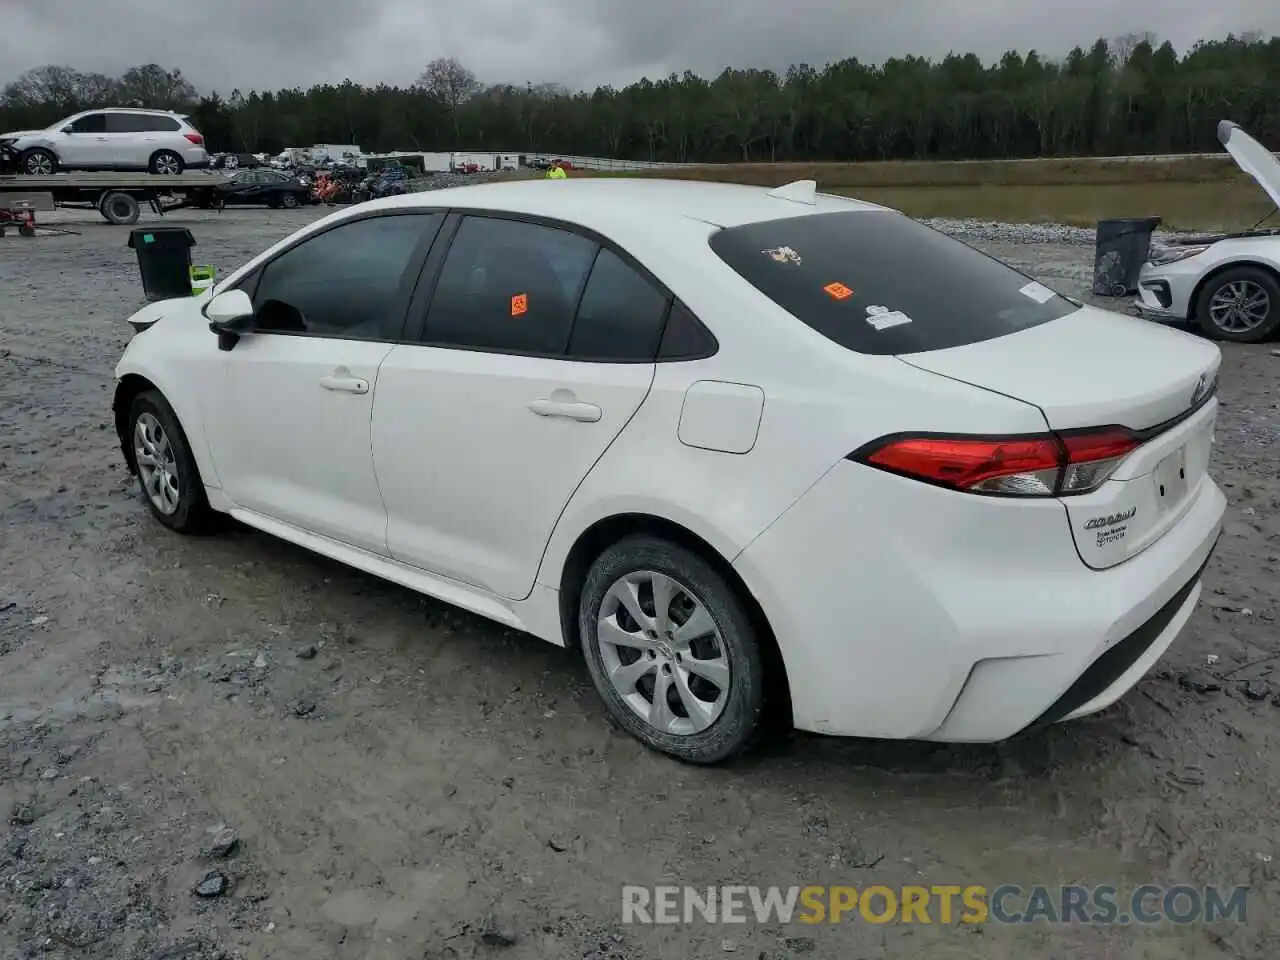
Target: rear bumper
<point>1117,670</point>
<point>908,611</point>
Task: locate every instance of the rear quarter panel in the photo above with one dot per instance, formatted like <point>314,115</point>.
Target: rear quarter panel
<point>821,402</point>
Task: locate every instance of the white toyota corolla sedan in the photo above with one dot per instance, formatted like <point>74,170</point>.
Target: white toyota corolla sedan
<point>741,447</point>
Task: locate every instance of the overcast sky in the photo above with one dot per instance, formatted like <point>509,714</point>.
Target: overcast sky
<point>580,43</point>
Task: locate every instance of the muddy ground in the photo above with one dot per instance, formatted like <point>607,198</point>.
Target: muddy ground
<point>408,781</point>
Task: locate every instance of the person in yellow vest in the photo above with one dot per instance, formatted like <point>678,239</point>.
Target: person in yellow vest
<point>557,172</point>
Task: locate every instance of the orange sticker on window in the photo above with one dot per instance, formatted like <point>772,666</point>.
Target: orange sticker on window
<point>519,304</point>
<point>838,290</point>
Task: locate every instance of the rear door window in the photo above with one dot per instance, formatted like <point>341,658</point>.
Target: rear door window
<point>620,316</point>
<point>878,282</point>
<point>510,287</point>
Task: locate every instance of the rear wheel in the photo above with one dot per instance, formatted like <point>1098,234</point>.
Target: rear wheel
<point>38,163</point>
<point>167,472</point>
<point>672,651</point>
<point>119,208</point>
<point>1241,304</point>
<point>166,162</point>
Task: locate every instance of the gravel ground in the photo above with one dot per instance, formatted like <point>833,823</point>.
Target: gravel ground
<point>227,747</point>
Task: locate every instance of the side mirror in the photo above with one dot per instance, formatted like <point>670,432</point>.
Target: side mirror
<point>230,315</point>
<point>68,129</point>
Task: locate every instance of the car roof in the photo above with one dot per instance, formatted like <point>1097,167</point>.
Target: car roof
<point>611,205</point>
<point>157,113</point>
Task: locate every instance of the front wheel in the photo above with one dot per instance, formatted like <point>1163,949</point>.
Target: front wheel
<point>1241,304</point>
<point>38,163</point>
<point>672,651</point>
<point>167,472</point>
<point>289,201</point>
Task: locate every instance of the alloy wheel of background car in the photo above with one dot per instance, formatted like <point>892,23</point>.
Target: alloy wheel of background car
<point>167,472</point>
<point>1241,304</point>
<point>39,163</point>
<point>289,201</point>
<point>671,650</point>
<point>167,163</point>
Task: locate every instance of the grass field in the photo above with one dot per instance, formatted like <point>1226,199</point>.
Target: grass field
<point>1188,193</point>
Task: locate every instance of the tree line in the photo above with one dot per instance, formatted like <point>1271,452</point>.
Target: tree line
<point>1129,95</point>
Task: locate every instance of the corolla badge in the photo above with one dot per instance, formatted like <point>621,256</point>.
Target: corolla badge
<point>1111,519</point>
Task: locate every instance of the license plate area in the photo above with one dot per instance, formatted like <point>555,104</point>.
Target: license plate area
<point>1170,479</point>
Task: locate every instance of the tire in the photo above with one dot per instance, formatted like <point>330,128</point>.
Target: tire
<point>166,162</point>
<point>38,162</point>
<point>1246,287</point>
<point>289,201</point>
<point>119,208</point>
<point>179,500</point>
<point>730,720</point>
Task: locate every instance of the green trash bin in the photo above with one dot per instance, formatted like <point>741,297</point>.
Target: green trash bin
<point>164,260</point>
<point>201,279</point>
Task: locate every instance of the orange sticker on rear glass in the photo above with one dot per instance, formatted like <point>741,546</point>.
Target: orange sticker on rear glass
<point>519,304</point>
<point>838,290</point>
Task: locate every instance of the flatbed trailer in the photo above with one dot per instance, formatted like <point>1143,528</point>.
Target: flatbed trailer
<point>117,196</point>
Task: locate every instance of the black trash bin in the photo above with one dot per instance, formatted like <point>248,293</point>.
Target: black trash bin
<point>164,259</point>
<point>1120,251</point>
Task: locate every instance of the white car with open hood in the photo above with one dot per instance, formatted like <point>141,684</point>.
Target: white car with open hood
<point>1227,284</point>
<point>743,448</point>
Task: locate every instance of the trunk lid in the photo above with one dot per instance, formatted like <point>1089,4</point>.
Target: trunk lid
<point>1253,158</point>
<point>1091,368</point>
<point>1094,368</point>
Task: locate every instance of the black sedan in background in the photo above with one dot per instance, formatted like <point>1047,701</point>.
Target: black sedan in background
<point>260,187</point>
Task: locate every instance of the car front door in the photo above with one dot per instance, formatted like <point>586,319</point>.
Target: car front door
<point>291,433</point>
<point>83,142</point>
<point>484,427</point>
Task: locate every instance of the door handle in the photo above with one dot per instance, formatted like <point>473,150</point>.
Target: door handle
<point>569,409</point>
<point>345,384</point>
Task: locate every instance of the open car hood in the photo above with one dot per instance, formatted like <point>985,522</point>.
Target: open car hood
<point>1253,158</point>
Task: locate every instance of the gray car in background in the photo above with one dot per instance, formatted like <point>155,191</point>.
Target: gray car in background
<point>155,141</point>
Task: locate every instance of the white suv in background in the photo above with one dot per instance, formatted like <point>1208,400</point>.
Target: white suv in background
<point>157,141</point>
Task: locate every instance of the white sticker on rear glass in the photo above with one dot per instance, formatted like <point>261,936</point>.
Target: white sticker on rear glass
<point>783,255</point>
<point>882,318</point>
<point>1037,292</point>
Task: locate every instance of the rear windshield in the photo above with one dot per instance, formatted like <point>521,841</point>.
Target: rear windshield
<point>879,282</point>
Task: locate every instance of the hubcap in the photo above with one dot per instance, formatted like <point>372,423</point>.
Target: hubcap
<point>157,466</point>
<point>1240,306</point>
<point>39,164</point>
<point>166,164</point>
<point>663,653</point>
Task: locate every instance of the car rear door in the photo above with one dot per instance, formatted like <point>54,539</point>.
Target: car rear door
<point>534,350</point>
<point>290,433</point>
<point>124,140</point>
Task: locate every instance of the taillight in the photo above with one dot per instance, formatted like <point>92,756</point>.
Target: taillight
<point>195,138</point>
<point>1039,465</point>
